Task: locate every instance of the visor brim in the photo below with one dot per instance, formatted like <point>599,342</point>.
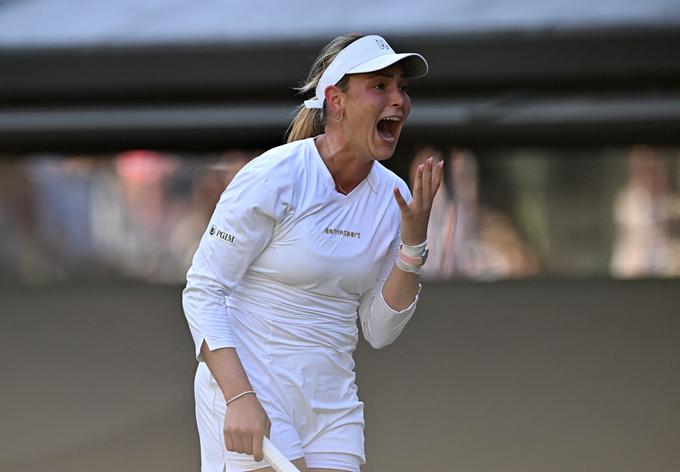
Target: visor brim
<point>414,64</point>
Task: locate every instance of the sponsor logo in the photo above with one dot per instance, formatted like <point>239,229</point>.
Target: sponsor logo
<point>382,44</point>
<point>220,233</point>
<point>342,232</point>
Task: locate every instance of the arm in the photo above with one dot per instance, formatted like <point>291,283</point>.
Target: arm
<point>383,321</point>
<point>401,287</point>
<point>246,423</point>
<point>240,228</point>
<point>384,316</point>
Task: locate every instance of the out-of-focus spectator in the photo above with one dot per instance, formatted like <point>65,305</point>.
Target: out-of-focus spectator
<point>208,182</point>
<point>470,256</point>
<point>466,239</point>
<point>22,257</point>
<point>487,244</point>
<point>134,212</point>
<point>61,195</point>
<point>644,213</point>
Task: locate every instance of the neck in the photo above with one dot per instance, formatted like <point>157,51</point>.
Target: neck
<point>346,167</point>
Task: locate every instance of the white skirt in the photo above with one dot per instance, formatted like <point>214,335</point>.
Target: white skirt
<point>307,389</point>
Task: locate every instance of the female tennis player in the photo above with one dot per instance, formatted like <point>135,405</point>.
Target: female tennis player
<point>307,237</point>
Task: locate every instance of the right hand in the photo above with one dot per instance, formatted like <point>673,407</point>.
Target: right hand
<point>245,425</point>
<point>415,216</point>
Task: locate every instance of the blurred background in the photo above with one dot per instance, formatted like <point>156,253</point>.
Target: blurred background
<point>548,336</point>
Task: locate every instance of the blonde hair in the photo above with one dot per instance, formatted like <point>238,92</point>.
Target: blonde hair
<point>309,122</point>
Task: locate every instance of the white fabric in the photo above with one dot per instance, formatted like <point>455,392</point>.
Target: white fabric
<point>282,271</point>
<point>332,440</point>
<point>286,245</point>
<point>367,54</point>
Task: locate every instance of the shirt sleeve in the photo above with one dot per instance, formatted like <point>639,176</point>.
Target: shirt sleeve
<point>381,325</point>
<point>240,228</point>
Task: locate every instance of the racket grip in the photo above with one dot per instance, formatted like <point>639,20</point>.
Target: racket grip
<point>275,458</point>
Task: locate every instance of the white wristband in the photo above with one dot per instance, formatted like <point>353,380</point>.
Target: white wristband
<point>414,269</point>
<point>414,251</point>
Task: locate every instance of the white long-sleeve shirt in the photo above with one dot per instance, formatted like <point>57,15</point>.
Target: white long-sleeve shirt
<point>284,244</point>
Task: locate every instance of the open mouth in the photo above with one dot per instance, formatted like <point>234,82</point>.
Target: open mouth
<point>388,128</point>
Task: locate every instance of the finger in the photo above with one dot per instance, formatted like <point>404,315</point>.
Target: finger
<point>403,206</point>
<point>228,441</point>
<point>257,447</point>
<point>418,187</point>
<point>238,443</point>
<point>437,178</point>
<point>248,444</point>
<point>427,182</point>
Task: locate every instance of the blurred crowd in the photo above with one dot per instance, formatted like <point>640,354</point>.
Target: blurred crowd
<point>647,218</point>
<point>139,214</point>
<point>466,238</point>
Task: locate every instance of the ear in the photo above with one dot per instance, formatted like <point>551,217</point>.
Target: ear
<point>335,100</point>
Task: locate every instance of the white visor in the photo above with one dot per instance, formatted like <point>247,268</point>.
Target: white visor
<point>368,54</point>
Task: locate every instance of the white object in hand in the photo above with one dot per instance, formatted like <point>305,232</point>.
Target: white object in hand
<point>275,458</point>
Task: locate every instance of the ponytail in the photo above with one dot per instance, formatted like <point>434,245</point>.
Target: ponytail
<point>310,122</point>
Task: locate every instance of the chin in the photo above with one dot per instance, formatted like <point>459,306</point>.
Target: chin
<point>383,151</point>
<point>383,156</point>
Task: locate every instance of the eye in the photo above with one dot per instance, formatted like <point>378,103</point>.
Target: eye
<point>379,86</point>
<point>405,88</point>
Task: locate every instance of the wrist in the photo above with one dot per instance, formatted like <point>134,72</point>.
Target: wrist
<point>236,389</point>
<point>413,250</point>
<point>240,395</point>
<point>411,258</point>
<point>410,268</point>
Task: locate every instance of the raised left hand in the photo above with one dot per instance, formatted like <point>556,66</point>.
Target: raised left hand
<point>416,215</point>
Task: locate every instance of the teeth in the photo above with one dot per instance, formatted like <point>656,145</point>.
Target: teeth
<point>392,118</point>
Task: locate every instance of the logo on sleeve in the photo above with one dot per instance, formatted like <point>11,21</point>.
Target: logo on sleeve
<point>217,232</point>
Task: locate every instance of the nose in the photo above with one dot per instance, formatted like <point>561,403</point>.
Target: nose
<point>397,97</point>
